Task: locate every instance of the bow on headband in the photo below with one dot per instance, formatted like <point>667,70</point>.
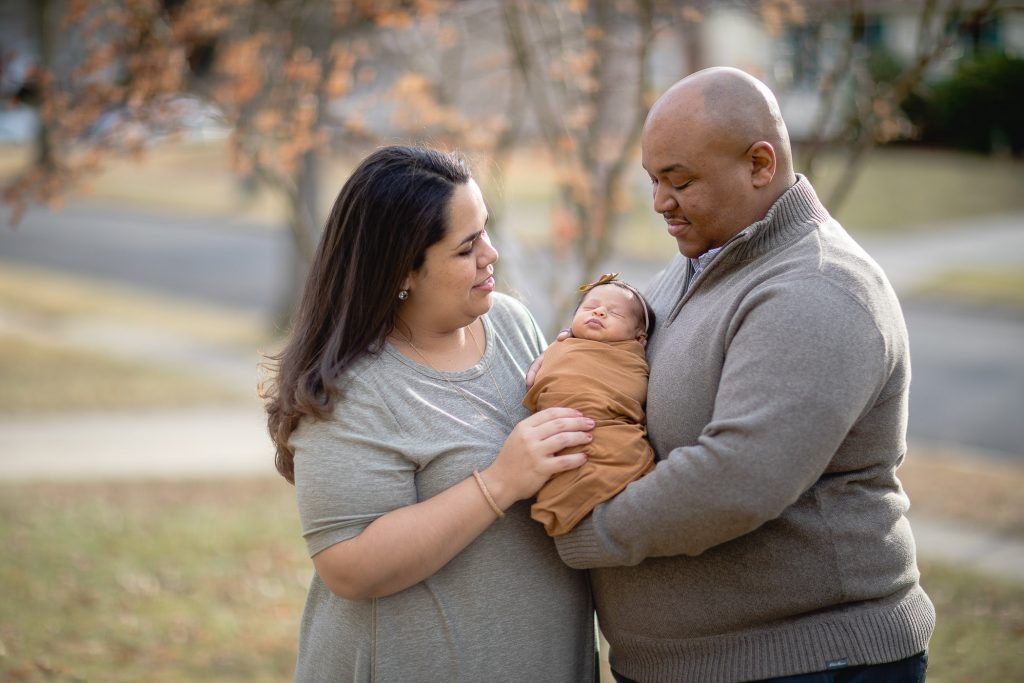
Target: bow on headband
<point>603,280</point>
<point>612,279</point>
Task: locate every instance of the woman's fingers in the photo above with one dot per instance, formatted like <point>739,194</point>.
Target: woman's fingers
<point>559,420</point>
<point>548,414</point>
<point>564,463</point>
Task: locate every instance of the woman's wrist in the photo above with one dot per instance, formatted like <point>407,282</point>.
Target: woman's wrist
<point>499,491</point>
<point>487,494</point>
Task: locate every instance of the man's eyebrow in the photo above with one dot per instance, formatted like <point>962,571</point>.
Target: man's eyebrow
<point>674,167</point>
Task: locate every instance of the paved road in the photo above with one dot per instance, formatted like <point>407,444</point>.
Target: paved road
<point>216,261</point>
<point>968,364</point>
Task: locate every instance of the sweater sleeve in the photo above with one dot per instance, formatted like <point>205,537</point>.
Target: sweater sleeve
<point>803,361</point>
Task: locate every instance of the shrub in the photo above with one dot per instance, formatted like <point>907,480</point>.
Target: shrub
<point>979,108</point>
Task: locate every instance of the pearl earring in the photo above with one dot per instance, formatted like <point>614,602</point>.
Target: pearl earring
<point>403,294</point>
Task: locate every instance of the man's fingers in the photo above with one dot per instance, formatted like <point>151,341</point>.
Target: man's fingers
<point>531,374</point>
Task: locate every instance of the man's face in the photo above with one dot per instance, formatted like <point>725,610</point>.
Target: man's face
<point>702,186</point>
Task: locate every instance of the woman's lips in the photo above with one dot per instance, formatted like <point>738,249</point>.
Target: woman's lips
<point>487,285</point>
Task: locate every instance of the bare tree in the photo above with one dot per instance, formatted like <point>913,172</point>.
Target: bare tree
<point>871,107</point>
<point>585,68</point>
<point>274,68</point>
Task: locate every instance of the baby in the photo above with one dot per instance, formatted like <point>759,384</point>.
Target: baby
<point>602,372</point>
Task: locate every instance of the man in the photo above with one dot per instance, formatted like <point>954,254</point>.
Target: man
<point>770,542</point>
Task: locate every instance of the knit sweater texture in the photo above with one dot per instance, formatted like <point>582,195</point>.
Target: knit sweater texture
<point>771,537</point>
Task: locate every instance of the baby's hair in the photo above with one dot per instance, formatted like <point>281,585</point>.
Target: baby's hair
<point>612,279</point>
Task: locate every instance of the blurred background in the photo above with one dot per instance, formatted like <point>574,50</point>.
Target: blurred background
<point>167,165</point>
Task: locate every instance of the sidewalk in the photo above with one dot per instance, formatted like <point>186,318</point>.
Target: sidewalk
<point>912,257</point>
<point>185,444</point>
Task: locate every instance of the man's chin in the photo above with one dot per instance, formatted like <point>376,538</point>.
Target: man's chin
<point>688,249</point>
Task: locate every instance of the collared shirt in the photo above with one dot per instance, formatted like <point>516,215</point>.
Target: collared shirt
<point>700,263</point>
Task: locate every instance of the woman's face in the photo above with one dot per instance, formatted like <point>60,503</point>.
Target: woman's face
<point>453,287</point>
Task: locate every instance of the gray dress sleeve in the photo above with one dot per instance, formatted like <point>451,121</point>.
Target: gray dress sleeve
<point>350,469</point>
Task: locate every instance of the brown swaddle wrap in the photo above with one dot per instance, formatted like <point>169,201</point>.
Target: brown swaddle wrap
<point>606,381</point>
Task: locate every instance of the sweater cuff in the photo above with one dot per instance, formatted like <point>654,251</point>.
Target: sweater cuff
<point>580,548</point>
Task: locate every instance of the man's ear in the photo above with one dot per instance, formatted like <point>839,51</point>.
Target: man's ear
<point>763,163</point>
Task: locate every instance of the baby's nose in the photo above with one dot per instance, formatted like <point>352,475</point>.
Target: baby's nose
<point>600,312</point>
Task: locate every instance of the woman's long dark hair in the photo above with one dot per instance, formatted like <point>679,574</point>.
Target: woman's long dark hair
<point>392,208</point>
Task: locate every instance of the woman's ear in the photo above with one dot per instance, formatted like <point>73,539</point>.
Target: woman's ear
<point>763,164</point>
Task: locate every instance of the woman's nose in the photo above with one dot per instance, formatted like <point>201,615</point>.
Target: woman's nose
<point>488,255</point>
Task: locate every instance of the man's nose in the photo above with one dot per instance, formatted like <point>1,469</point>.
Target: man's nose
<point>663,200</point>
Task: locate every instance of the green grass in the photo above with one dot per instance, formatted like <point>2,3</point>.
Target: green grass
<point>980,624</point>
<point>911,189</point>
<point>41,370</point>
<point>992,286</point>
<point>36,378</point>
<point>198,581</point>
<point>49,298</point>
<point>150,582</point>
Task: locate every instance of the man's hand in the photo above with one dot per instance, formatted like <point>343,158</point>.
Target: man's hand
<point>531,374</point>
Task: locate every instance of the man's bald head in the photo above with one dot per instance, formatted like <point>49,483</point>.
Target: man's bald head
<point>718,154</point>
<point>732,108</point>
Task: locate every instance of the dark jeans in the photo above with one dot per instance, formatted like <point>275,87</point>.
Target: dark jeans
<point>909,670</point>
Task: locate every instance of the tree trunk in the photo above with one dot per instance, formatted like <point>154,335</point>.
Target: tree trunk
<point>305,229</point>
<point>41,20</point>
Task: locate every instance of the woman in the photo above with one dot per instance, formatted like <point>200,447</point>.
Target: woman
<point>396,413</point>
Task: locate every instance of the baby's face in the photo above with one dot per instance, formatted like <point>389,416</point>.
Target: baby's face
<point>608,313</point>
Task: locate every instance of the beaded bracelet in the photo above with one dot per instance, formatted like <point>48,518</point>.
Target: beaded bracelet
<point>487,494</point>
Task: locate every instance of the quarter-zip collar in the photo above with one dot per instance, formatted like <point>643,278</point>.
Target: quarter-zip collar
<point>796,213</point>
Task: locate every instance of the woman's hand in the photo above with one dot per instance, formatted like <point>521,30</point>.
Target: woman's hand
<point>527,459</point>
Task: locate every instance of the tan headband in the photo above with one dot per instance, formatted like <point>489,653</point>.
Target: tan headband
<point>612,279</point>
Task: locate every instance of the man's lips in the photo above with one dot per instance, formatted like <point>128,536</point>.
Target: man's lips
<point>676,226</point>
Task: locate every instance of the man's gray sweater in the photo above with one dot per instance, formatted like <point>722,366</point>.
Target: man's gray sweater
<point>771,538</point>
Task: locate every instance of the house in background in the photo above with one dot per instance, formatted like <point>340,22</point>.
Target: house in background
<point>801,51</point>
